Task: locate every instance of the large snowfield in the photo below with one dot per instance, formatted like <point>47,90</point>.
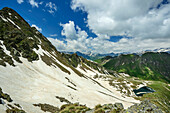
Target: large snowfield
<point>32,83</point>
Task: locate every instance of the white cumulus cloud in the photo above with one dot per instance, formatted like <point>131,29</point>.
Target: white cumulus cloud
<point>69,30</point>
<point>60,45</point>
<point>53,35</point>
<point>78,40</point>
<point>38,28</point>
<point>144,21</point>
<point>33,3</point>
<point>126,17</point>
<point>20,1</point>
<point>52,7</point>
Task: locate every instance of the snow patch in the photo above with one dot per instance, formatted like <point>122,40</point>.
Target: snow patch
<point>4,19</point>
<point>4,48</point>
<point>124,74</point>
<point>40,51</point>
<point>13,23</point>
<point>30,38</point>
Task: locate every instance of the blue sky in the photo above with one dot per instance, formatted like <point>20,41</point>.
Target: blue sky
<point>98,26</point>
<point>40,16</point>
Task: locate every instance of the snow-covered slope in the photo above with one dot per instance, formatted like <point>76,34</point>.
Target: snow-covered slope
<point>32,83</point>
<point>32,71</point>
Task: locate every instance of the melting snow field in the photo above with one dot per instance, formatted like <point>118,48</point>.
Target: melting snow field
<point>32,83</point>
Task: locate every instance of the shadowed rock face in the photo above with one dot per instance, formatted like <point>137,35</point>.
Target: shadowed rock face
<point>144,107</point>
<point>143,90</point>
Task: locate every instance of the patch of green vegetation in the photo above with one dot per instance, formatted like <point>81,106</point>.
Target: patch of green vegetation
<point>77,72</point>
<point>71,87</point>
<point>64,59</point>
<point>47,108</point>
<point>161,97</point>
<point>149,66</point>
<point>5,96</point>
<point>70,82</point>
<point>131,55</point>
<point>106,108</point>
<point>122,70</point>
<point>110,108</point>
<point>5,58</point>
<point>17,105</point>
<point>14,110</point>
<point>63,99</point>
<point>99,111</point>
<point>81,67</point>
<point>98,61</point>
<point>84,66</point>
<point>74,60</point>
<point>98,106</point>
<point>73,108</point>
<point>148,72</point>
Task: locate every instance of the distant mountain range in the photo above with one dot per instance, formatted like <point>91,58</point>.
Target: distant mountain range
<point>92,56</point>
<point>167,50</point>
<point>95,56</point>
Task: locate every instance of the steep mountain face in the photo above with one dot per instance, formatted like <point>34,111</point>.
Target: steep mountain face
<point>34,73</point>
<point>153,66</point>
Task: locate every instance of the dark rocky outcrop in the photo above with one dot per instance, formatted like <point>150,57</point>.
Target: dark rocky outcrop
<point>5,96</point>
<point>47,108</point>
<point>144,107</point>
<point>12,109</point>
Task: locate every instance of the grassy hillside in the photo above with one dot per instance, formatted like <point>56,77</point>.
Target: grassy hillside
<point>152,66</point>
